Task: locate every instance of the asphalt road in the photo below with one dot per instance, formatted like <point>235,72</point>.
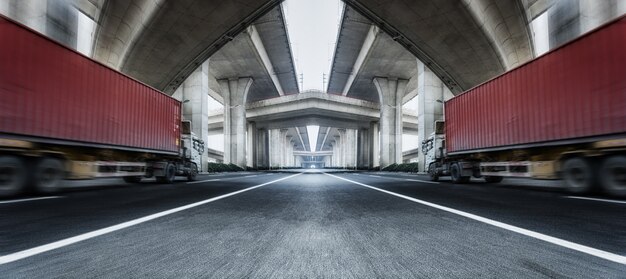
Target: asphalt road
<point>311,225</point>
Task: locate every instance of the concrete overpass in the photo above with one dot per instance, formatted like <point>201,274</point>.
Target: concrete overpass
<point>238,52</point>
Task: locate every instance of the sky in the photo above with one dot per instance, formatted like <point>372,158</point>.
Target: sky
<point>312,26</point>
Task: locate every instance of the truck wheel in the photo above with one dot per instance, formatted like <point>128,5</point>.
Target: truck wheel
<point>578,175</point>
<point>132,179</point>
<point>493,179</point>
<point>49,173</point>
<point>455,173</point>
<point>12,176</point>
<point>193,172</point>
<point>613,176</point>
<point>170,174</point>
<point>432,171</point>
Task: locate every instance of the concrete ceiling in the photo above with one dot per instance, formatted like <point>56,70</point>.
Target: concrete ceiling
<point>263,53</point>
<point>378,55</point>
<point>464,42</point>
<point>161,42</point>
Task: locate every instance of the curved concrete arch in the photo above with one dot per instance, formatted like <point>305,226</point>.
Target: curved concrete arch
<point>119,27</point>
<point>161,42</point>
<point>505,24</point>
<point>464,42</point>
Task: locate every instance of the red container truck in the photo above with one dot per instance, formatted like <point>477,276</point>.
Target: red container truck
<point>63,115</point>
<point>562,115</point>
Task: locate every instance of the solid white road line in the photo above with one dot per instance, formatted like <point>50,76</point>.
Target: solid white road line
<point>563,243</point>
<point>375,176</point>
<point>68,241</point>
<point>31,199</point>
<point>595,199</point>
<point>249,176</point>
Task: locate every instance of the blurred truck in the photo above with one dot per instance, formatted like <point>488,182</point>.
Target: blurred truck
<point>65,116</point>
<point>562,115</point>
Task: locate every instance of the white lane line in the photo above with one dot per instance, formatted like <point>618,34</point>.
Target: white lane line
<point>30,199</point>
<point>422,181</point>
<point>202,181</point>
<point>375,176</point>
<point>594,199</point>
<point>564,243</point>
<point>68,241</point>
<point>249,176</point>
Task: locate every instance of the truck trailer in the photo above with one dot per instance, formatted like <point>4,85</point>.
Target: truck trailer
<point>559,116</point>
<point>66,116</point>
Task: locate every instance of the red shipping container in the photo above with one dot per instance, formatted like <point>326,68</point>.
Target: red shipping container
<point>576,92</point>
<point>50,92</point>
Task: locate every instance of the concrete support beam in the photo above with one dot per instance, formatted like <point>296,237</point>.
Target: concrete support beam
<point>251,145</point>
<point>196,106</point>
<point>56,19</point>
<point>235,92</point>
<point>374,145</point>
<point>350,144</point>
<point>432,94</point>
<point>364,148</point>
<point>262,149</point>
<point>391,92</point>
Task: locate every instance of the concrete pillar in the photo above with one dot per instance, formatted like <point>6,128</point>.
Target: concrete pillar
<point>374,145</point>
<point>195,98</point>
<point>350,144</point>
<point>235,92</point>
<point>391,92</point>
<point>251,146</point>
<point>430,104</point>
<point>340,150</point>
<point>276,147</point>
<point>364,148</point>
<point>57,19</point>
<point>282,146</point>
<point>262,149</point>
<point>568,19</point>
<point>333,158</point>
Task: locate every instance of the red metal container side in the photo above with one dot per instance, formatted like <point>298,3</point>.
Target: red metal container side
<point>574,92</point>
<point>51,92</point>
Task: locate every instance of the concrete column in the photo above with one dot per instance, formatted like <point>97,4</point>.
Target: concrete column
<point>374,145</point>
<point>251,146</point>
<point>364,148</point>
<point>391,92</point>
<point>276,147</point>
<point>350,144</point>
<point>262,149</point>
<point>282,146</point>
<point>340,150</point>
<point>431,97</point>
<point>235,92</point>
<point>333,158</point>
<point>57,19</point>
<point>195,98</point>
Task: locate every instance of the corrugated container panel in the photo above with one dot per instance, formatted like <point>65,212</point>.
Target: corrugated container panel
<point>574,92</point>
<point>51,92</point>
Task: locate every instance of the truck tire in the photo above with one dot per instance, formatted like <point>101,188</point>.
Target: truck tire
<point>12,176</point>
<point>170,174</point>
<point>455,174</point>
<point>493,179</point>
<point>193,172</point>
<point>132,179</point>
<point>49,174</point>
<point>432,172</point>
<point>613,176</point>
<point>578,175</point>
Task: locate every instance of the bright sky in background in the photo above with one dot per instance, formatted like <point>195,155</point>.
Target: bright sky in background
<point>312,131</point>
<point>313,27</point>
